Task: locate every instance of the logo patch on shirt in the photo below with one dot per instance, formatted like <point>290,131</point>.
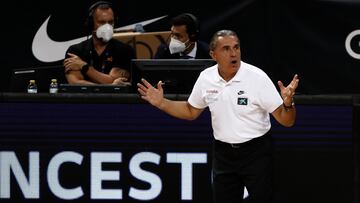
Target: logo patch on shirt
<point>212,91</point>
<point>241,92</point>
<point>242,101</point>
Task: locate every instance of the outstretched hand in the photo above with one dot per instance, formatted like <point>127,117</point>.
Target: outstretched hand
<point>288,92</point>
<point>154,96</point>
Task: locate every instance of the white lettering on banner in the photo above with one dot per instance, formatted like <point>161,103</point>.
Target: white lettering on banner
<point>9,162</point>
<point>186,160</point>
<point>348,40</point>
<point>30,186</point>
<point>98,175</point>
<point>53,175</point>
<point>152,179</point>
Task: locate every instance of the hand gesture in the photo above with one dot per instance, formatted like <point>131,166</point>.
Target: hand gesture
<point>288,92</point>
<point>73,63</point>
<point>154,96</point>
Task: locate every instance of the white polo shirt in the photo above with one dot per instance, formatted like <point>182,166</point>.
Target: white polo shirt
<point>240,107</point>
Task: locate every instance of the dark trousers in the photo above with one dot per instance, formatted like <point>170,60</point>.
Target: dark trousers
<point>247,164</point>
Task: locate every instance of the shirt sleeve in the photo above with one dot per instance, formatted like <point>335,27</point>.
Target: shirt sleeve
<point>269,97</point>
<point>196,98</point>
<point>80,50</point>
<point>72,49</point>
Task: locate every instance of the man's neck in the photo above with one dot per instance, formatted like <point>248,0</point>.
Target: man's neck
<point>189,48</point>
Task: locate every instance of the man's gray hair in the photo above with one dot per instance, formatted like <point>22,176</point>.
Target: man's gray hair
<point>221,33</point>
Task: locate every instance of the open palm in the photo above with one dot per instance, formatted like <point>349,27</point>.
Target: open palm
<point>288,92</point>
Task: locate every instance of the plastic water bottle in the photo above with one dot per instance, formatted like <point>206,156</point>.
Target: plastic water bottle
<point>53,88</point>
<point>32,87</point>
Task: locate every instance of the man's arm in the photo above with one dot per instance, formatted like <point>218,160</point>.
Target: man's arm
<point>285,114</point>
<point>122,76</point>
<point>155,96</point>
<point>73,65</point>
<point>116,76</point>
<point>74,69</point>
<point>75,77</point>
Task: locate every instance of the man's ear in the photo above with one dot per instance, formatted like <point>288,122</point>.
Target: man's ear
<point>212,55</point>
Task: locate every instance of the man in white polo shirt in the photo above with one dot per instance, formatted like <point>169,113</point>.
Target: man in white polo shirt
<point>240,98</point>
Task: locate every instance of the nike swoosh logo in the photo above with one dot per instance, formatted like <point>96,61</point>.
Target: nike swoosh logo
<point>47,50</point>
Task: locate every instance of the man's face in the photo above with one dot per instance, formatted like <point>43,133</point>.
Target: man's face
<point>102,16</point>
<point>227,54</point>
<point>179,32</point>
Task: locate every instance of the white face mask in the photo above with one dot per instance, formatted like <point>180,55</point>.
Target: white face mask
<point>176,46</point>
<point>105,32</point>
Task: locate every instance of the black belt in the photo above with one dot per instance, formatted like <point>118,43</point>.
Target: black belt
<point>233,145</point>
<point>243,144</point>
<point>237,145</point>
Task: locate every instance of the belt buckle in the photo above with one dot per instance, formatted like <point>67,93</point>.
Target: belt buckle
<point>234,145</point>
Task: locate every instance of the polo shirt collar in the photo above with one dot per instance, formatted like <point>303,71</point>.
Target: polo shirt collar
<point>192,53</point>
<point>236,78</point>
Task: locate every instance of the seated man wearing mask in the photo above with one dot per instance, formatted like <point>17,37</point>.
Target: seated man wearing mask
<point>184,41</point>
<point>99,59</point>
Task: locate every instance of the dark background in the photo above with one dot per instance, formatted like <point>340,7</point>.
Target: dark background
<point>281,37</point>
<point>314,159</point>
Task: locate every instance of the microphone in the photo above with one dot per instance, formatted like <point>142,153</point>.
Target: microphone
<point>139,28</point>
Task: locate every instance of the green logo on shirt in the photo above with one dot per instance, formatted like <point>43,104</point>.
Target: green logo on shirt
<point>242,101</point>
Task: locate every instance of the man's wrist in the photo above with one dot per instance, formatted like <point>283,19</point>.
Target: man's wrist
<point>85,68</point>
<point>288,107</point>
<point>162,104</point>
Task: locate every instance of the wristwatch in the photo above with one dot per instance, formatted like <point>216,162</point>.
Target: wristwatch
<point>287,108</point>
<point>84,69</point>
